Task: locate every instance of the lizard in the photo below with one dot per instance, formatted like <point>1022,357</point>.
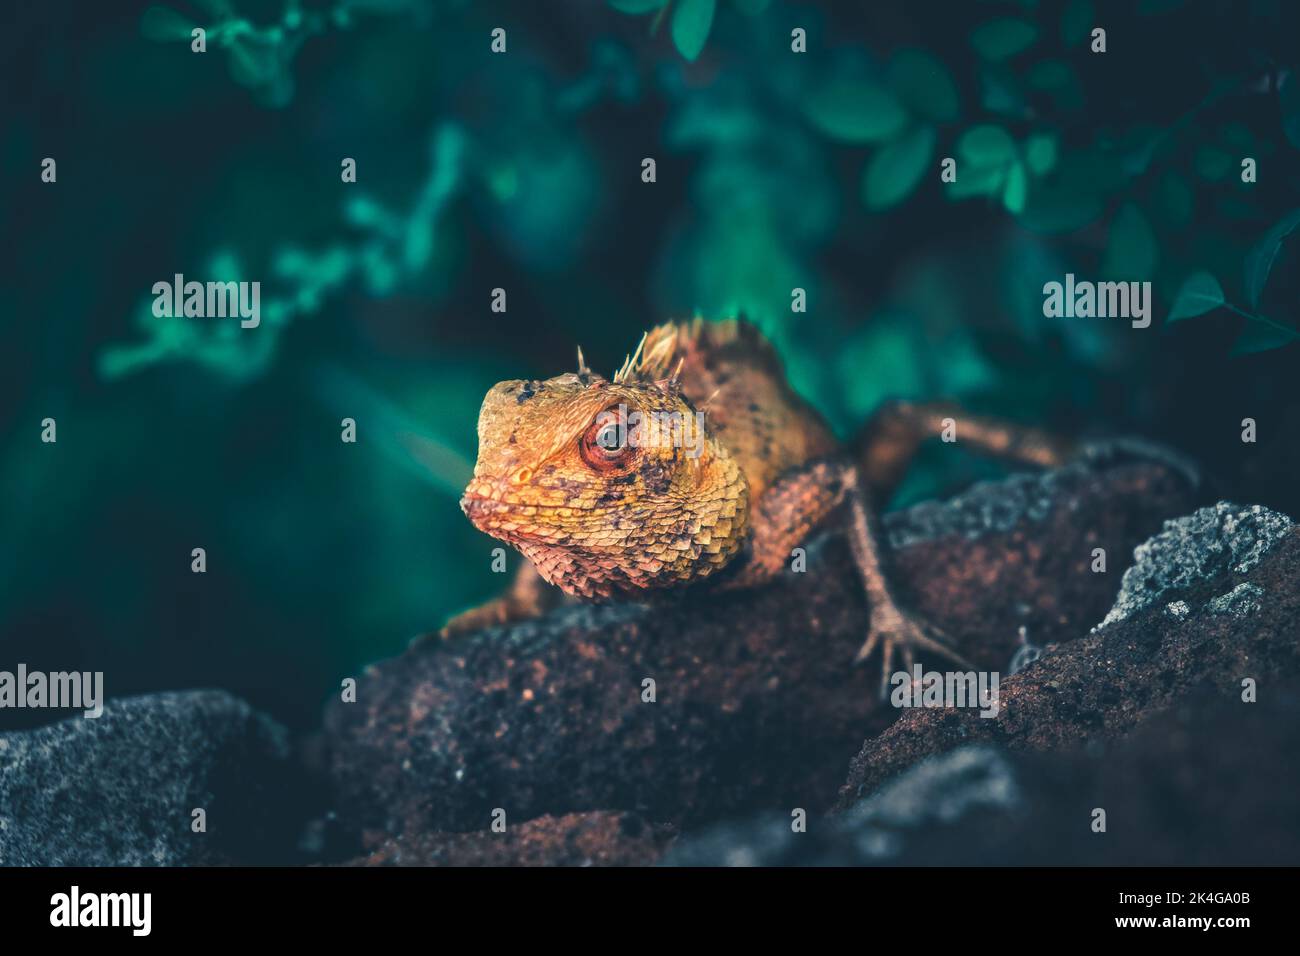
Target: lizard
<point>698,466</point>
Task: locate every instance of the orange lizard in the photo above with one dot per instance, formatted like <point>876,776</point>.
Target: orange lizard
<point>728,471</point>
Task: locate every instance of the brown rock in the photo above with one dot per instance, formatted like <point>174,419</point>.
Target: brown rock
<point>575,839</point>
<point>1211,782</point>
<point>757,703</point>
<point>1197,615</point>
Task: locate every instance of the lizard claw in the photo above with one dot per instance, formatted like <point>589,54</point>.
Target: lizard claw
<point>899,633</point>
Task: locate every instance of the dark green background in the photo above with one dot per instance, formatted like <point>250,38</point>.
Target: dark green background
<point>522,171</point>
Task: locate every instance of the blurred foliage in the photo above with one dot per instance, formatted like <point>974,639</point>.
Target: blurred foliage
<point>777,171</point>
<point>690,20</point>
<point>389,248</point>
<point>261,56</point>
<point>1007,147</point>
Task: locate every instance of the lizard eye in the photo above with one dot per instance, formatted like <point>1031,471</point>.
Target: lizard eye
<point>605,444</point>
<point>610,438</point>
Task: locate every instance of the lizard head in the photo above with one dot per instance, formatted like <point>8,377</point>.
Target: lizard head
<point>608,487</point>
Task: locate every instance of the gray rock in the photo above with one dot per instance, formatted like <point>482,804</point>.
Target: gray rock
<point>119,790</point>
<point>763,840</point>
<point>940,792</point>
<point>1207,544</point>
<point>941,789</point>
<point>984,507</point>
<point>1241,601</point>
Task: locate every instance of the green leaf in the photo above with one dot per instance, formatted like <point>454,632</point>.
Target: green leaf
<point>165,24</point>
<point>1076,21</point>
<point>855,111</point>
<point>1017,190</point>
<point>1262,336</point>
<point>217,9</point>
<point>692,21</point>
<point>1200,293</point>
<point>897,167</point>
<point>1004,37</point>
<point>1259,261</point>
<point>977,181</point>
<point>636,7</point>
<point>1040,153</point>
<point>986,145</point>
<point>1131,250</point>
<point>924,84</point>
<point>1075,193</point>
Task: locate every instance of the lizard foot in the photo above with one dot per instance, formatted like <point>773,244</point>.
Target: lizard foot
<point>899,633</point>
<point>500,610</point>
<point>528,596</point>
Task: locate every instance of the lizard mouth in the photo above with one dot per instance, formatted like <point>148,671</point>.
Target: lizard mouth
<point>492,516</point>
<point>481,510</point>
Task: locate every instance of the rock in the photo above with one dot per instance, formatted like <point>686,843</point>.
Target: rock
<point>1235,618</point>
<point>1241,601</point>
<point>1204,545</point>
<point>119,790</point>
<point>937,793</point>
<point>765,839</point>
<point>575,839</point>
<point>1210,783</point>
<point>756,702</point>
<point>1031,566</point>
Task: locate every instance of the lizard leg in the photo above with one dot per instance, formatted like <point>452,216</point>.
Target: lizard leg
<point>894,630</point>
<point>800,502</point>
<point>890,440</point>
<point>528,595</point>
<point>789,511</point>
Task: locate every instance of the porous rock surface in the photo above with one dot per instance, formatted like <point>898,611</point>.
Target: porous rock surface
<point>1209,782</point>
<point>755,701</point>
<point>1236,623</point>
<point>121,789</point>
<point>599,838</point>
